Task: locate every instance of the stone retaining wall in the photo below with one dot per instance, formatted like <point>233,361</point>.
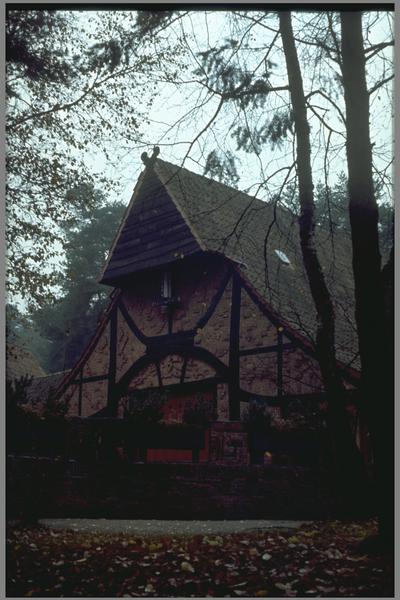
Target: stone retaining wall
<point>168,491</point>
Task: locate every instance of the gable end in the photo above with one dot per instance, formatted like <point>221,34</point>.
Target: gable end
<point>153,234</point>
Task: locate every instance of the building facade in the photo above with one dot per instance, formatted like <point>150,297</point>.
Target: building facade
<point>210,310</point>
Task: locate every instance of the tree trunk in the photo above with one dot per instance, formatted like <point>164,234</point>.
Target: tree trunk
<point>348,462</point>
<point>373,324</point>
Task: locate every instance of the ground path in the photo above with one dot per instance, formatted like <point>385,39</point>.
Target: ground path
<point>156,527</point>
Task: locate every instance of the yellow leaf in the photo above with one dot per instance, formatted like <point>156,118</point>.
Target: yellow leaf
<point>186,566</point>
<point>155,546</point>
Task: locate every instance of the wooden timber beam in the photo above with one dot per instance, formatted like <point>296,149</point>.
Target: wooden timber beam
<point>279,365</point>
<point>112,370</point>
<point>80,393</point>
<point>198,353</point>
<point>234,358</point>
<point>159,375</point>
<point>182,336</point>
<point>214,302</point>
<point>131,323</point>
<point>266,349</point>
<point>90,379</point>
<point>184,367</point>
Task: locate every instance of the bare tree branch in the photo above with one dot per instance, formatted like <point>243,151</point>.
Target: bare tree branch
<point>324,123</point>
<point>377,48</point>
<point>328,99</point>
<point>380,84</point>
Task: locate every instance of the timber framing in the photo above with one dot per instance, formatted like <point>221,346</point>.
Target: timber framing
<point>144,361</point>
<point>190,386</point>
<point>80,394</point>
<point>215,300</point>
<point>182,343</point>
<point>266,349</point>
<point>130,322</point>
<point>181,337</point>
<point>112,400</point>
<point>298,340</point>
<point>183,371</point>
<point>91,379</point>
<point>74,373</point>
<point>173,222</point>
<point>234,342</point>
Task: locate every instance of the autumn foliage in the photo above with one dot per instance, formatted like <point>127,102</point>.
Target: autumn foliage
<point>318,560</point>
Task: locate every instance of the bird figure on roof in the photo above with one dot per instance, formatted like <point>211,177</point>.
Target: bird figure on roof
<point>149,161</point>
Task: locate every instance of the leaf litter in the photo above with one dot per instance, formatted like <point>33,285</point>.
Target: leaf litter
<point>319,561</point>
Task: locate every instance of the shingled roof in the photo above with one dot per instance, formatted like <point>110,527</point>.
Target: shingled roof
<point>42,387</point>
<point>175,212</point>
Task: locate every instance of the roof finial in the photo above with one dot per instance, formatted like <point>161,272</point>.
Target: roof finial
<point>149,161</point>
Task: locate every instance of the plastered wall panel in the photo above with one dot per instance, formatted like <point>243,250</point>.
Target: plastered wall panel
<point>215,335</point>
<point>258,374</point>
<point>143,304</point>
<point>147,378</point>
<point>301,373</point>
<point>129,347</point>
<point>255,329</point>
<point>196,288</point>
<point>98,361</point>
<point>197,370</point>
<point>94,397</point>
<point>171,369</point>
<point>71,399</point>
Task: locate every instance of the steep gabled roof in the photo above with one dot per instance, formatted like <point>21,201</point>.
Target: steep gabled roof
<point>154,232</point>
<point>250,231</point>
<point>175,212</point>
<point>41,388</point>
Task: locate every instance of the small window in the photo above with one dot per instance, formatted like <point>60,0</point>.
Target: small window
<point>282,256</point>
<point>166,290</point>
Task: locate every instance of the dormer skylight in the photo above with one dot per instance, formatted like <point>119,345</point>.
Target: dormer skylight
<point>282,256</point>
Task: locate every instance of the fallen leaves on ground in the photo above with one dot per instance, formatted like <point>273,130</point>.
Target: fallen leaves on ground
<point>317,560</point>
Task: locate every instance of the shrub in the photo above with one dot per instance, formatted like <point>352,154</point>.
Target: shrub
<point>146,409</point>
<point>257,417</point>
<point>201,412</point>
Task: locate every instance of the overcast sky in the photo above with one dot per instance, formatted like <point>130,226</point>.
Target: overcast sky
<point>206,30</point>
<point>173,121</point>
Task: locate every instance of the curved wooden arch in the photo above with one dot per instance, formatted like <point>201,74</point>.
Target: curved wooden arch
<point>195,352</point>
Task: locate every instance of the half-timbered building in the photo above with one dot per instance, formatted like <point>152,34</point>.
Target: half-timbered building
<point>210,304</point>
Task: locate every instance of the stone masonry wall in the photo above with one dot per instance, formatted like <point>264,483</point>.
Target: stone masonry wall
<point>202,491</point>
